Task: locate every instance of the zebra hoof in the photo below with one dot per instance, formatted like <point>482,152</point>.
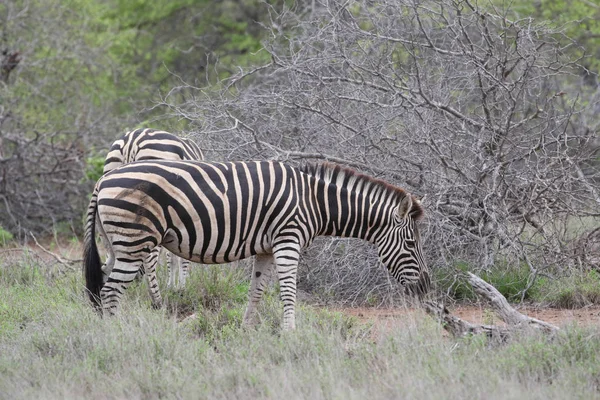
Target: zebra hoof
<point>156,306</point>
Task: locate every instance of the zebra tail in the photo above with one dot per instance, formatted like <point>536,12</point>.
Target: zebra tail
<point>91,259</point>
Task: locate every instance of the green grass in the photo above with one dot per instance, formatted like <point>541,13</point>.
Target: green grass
<point>5,237</point>
<point>511,281</point>
<point>578,289</point>
<point>574,291</point>
<point>52,345</point>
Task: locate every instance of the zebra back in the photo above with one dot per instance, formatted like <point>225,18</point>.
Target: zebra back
<point>150,144</point>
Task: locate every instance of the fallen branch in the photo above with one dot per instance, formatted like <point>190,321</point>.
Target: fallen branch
<point>66,262</point>
<point>503,309</point>
<point>458,327</point>
<point>515,321</point>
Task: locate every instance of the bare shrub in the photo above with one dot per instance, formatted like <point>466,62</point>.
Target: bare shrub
<point>39,182</point>
<point>485,115</point>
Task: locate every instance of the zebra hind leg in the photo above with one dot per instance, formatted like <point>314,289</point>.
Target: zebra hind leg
<point>120,277</point>
<point>261,275</point>
<point>150,267</point>
<point>177,264</point>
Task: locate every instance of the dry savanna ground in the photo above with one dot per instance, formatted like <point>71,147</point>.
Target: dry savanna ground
<point>385,320</point>
<point>52,345</point>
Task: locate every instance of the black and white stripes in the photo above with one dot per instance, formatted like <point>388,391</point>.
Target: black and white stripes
<point>151,144</point>
<point>220,212</point>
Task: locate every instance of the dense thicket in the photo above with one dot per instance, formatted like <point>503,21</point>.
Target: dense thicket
<point>492,117</point>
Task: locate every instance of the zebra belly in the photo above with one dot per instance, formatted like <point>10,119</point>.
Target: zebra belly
<point>242,250</point>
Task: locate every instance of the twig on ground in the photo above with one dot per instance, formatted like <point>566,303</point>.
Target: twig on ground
<point>25,250</point>
<point>65,262</point>
<point>11,250</point>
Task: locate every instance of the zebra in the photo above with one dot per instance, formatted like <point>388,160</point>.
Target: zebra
<point>152,144</point>
<point>210,212</point>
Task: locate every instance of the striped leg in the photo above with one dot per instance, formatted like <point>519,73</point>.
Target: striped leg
<point>109,264</point>
<point>184,268</point>
<point>172,267</point>
<point>261,274</point>
<point>119,279</point>
<point>150,269</point>
<point>286,259</point>
<point>175,264</point>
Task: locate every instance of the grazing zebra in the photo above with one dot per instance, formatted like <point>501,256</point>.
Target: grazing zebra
<point>152,144</point>
<point>219,212</point>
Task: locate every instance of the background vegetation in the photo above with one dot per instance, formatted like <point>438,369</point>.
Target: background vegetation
<point>489,109</point>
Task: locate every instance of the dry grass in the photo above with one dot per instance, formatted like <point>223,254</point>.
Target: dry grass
<point>53,346</point>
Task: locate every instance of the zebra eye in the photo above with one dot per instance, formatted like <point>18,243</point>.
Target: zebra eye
<point>410,243</point>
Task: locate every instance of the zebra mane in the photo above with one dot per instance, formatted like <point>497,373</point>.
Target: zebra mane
<point>331,172</point>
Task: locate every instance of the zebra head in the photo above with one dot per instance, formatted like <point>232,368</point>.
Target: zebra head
<point>400,247</point>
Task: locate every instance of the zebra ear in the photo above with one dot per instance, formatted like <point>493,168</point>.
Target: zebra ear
<point>405,206</point>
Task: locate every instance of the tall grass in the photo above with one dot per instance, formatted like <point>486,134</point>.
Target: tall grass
<point>52,345</point>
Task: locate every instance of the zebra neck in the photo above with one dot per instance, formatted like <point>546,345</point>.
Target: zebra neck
<point>349,211</point>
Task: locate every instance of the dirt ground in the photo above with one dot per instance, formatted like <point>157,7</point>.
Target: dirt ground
<point>386,319</point>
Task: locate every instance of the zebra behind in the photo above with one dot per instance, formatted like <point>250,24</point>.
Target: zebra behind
<point>220,212</point>
<point>152,144</point>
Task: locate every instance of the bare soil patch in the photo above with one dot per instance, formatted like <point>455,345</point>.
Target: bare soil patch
<point>389,319</point>
<point>555,316</point>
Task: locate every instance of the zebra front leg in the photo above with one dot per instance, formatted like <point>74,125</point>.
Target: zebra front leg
<point>150,268</point>
<point>172,269</point>
<point>261,274</point>
<point>286,259</point>
<point>184,267</point>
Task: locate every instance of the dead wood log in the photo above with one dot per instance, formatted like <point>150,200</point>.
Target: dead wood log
<point>458,327</point>
<point>503,309</point>
<point>515,321</point>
